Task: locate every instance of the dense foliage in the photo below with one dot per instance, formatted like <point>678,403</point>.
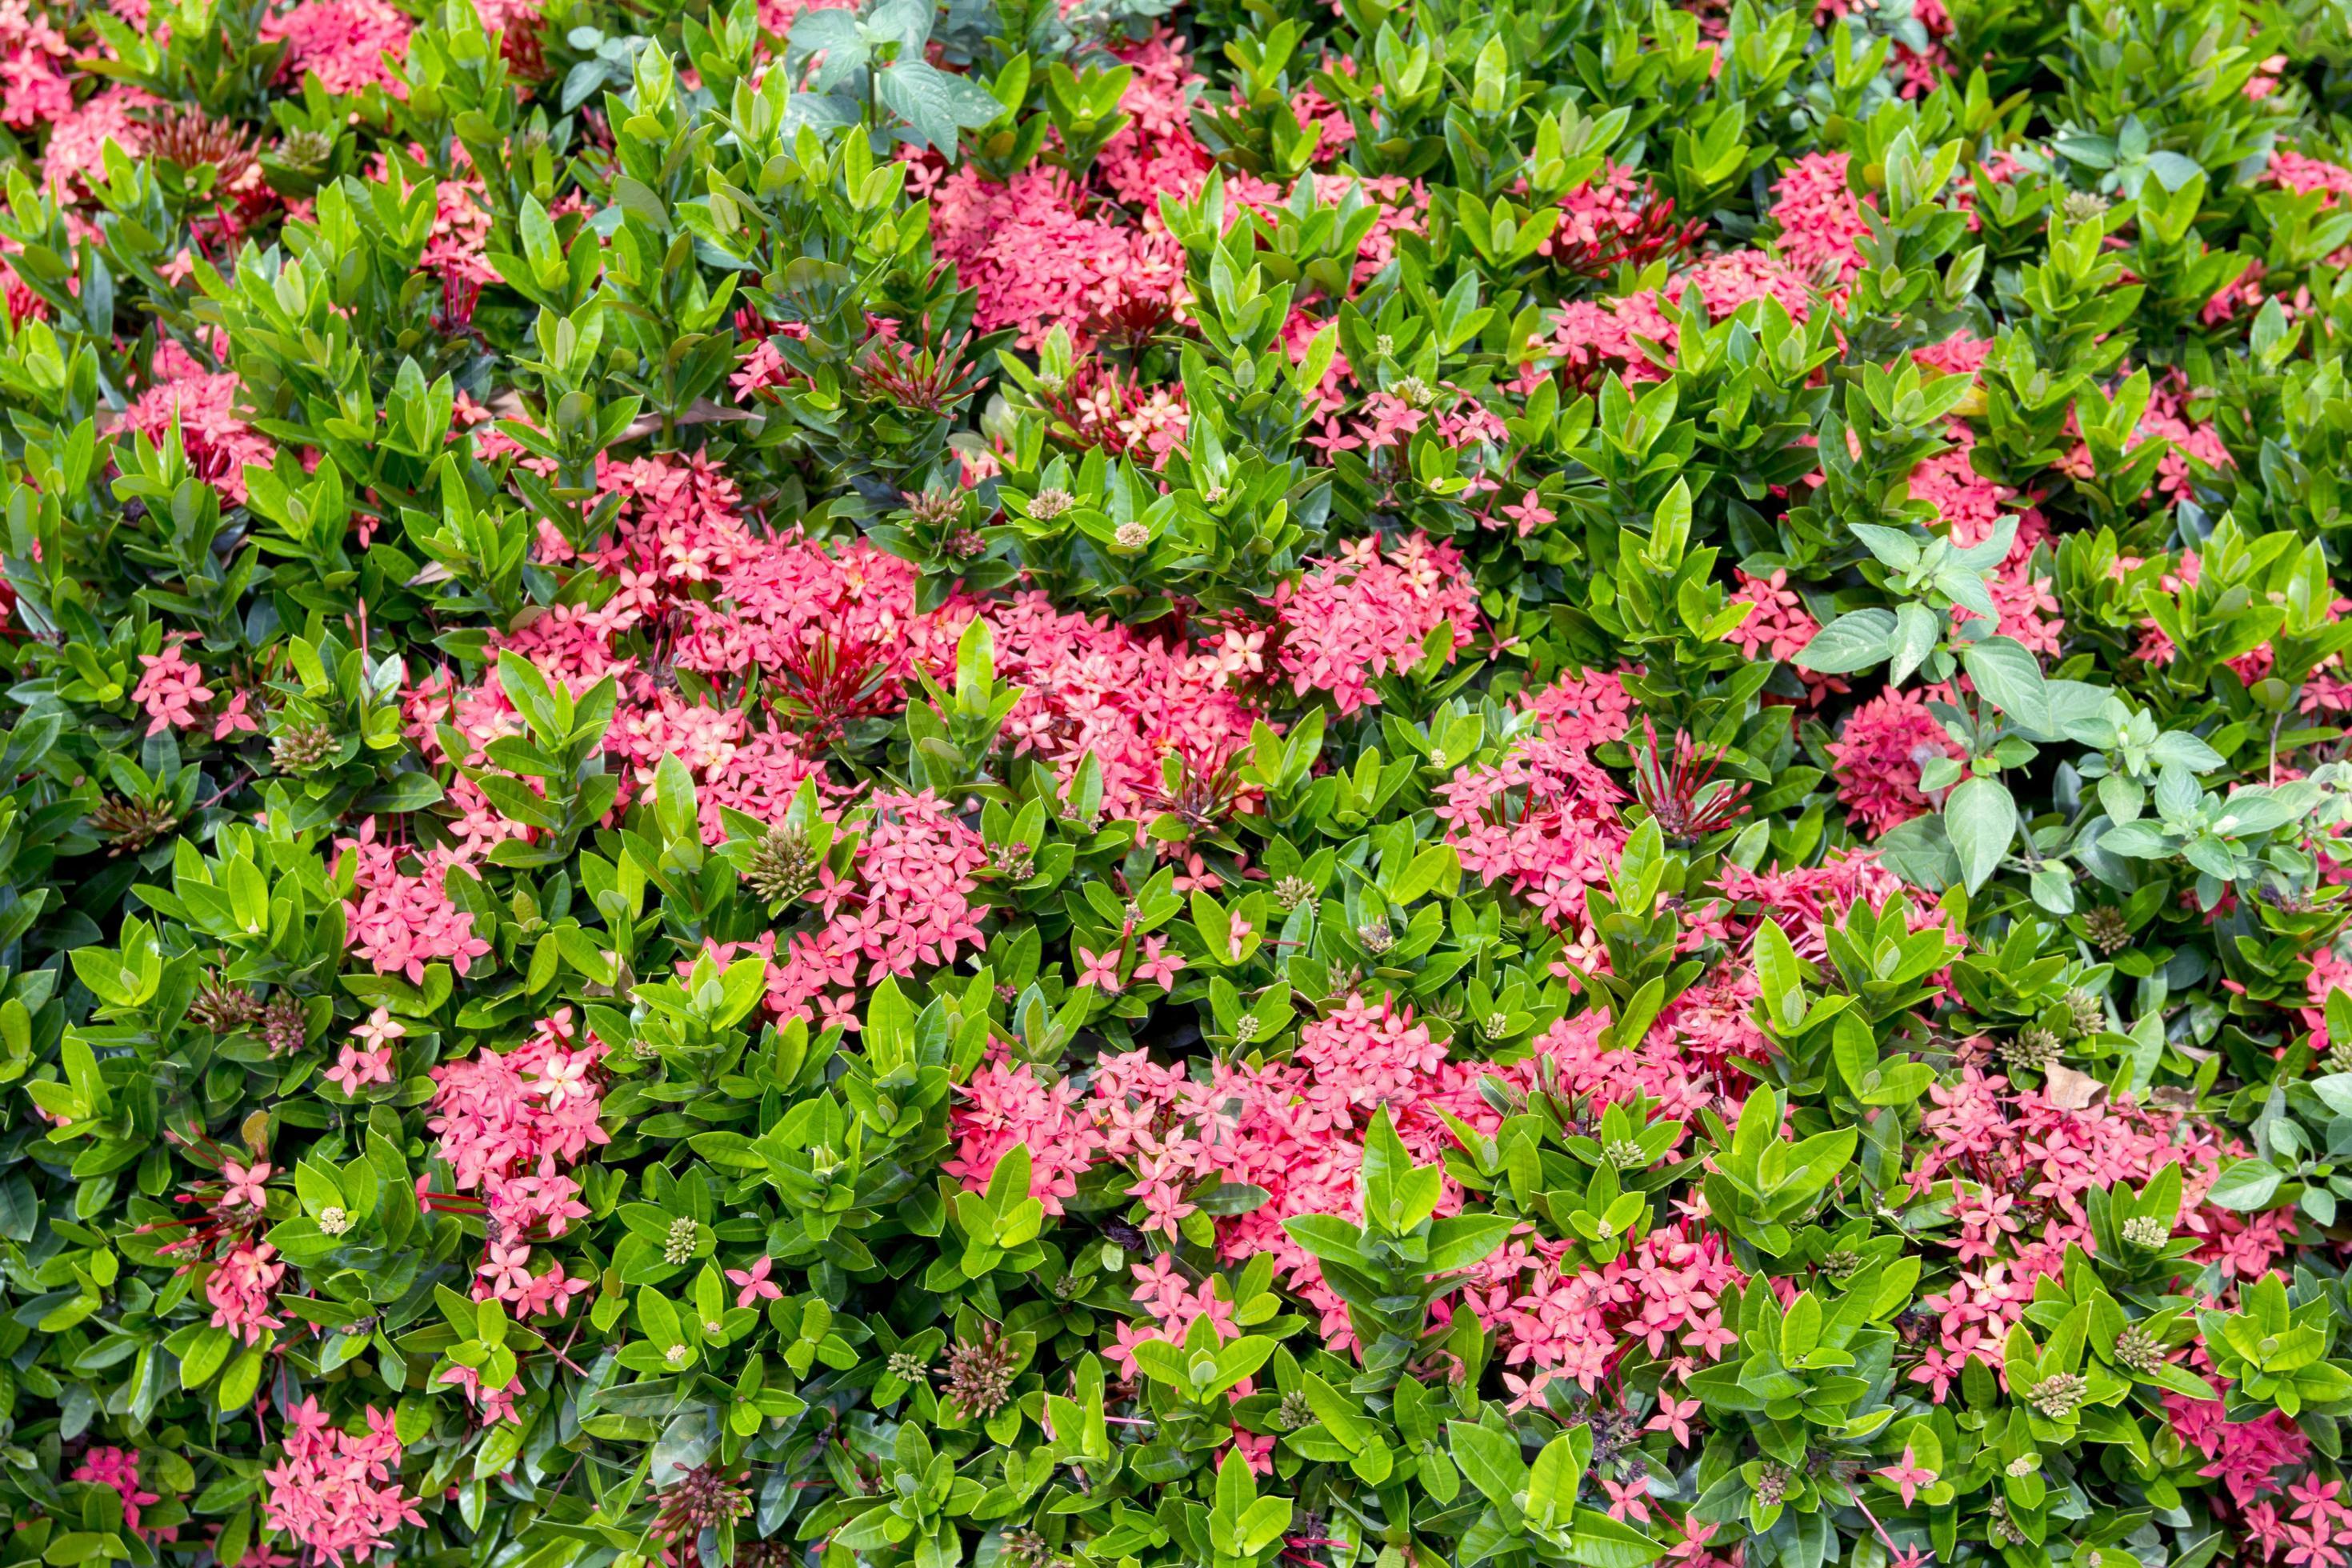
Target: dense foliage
<point>1410,783</point>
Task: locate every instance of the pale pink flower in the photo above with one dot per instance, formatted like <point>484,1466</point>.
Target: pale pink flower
<point>379,1028</point>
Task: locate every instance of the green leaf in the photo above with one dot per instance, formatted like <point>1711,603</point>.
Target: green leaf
<point>1855,640</point>
<point>1980,819</point>
<point>1465,1239</point>
<point>1491,1459</point>
<point>403,792</point>
<point>2244,1186</point>
<point>1921,852</point>
<point>206,1355</point>
<point>1558,1472</point>
<point>936,103</point>
<point>2011,681</point>
<point>1328,1236</point>
<point>1917,628</point>
<point>1779,976</point>
<point>674,801</point>
<point>1601,1542</point>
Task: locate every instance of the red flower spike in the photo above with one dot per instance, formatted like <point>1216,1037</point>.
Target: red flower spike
<point>1684,799</point>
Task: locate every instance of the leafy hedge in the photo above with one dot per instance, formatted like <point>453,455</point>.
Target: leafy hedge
<point>1067,785</point>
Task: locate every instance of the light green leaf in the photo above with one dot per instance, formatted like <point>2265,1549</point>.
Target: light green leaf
<point>1980,819</point>
<point>1855,640</point>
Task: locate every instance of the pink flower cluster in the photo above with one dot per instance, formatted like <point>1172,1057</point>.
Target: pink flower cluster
<point>349,45</point>
<point>119,1468</point>
<point>400,922</point>
<point>1295,1129</point>
<point>1878,756</point>
<point>2303,175</point>
<point>171,689</point>
<point>1045,250</point>
<point>219,444</point>
<point>241,1288</point>
<point>1806,900</point>
<point>2317,1528</point>
<point>507,1123</point>
<point>1663,1293</point>
<point>2019,1165</point>
<point>1819,218</point>
<point>1543,821</point>
<point>2242,1455</point>
<point>338,1493</point>
<point>1595,213</point>
<point>34,89</point>
<point>1780,626</point>
<point>1353,618</point>
<point>832,631</point>
<point>75,158</point>
<point>1040,257</point>
<point>916,864</point>
<point>1093,688</point>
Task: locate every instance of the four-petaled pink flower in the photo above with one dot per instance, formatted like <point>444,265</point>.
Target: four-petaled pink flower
<point>244,1183</point>
<point>1100,970</point>
<point>1906,1476</point>
<point>233,719</point>
<point>1157,966</point>
<point>1693,1545</point>
<point>756,1285</point>
<point>1629,1499</point>
<point>1674,1415</point>
<point>1529,513</point>
<point>380,1029</point>
<point>354,1069</point>
<point>565,1077</point>
<point>507,1270</point>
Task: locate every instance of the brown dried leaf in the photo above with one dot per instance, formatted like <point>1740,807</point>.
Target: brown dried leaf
<point>2070,1090</point>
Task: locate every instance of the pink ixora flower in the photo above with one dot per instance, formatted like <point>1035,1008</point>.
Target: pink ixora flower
<point>355,1069</point>
<point>336,1493</point>
<point>244,1183</point>
<point>1629,1499</point>
<point>1693,1543</point>
<point>564,1076</point>
<point>1157,966</point>
<point>1674,1416</point>
<point>380,1029</point>
<point>756,1285</point>
<point>1907,1476</point>
<point>506,1271</point>
<point>1100,970</point>
<point>171,690</point>
<point>1359,615</point>
<point>1878,759</point>
<point>233,720</point>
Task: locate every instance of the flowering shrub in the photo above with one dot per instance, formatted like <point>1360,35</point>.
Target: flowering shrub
<point>1117,785</point>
